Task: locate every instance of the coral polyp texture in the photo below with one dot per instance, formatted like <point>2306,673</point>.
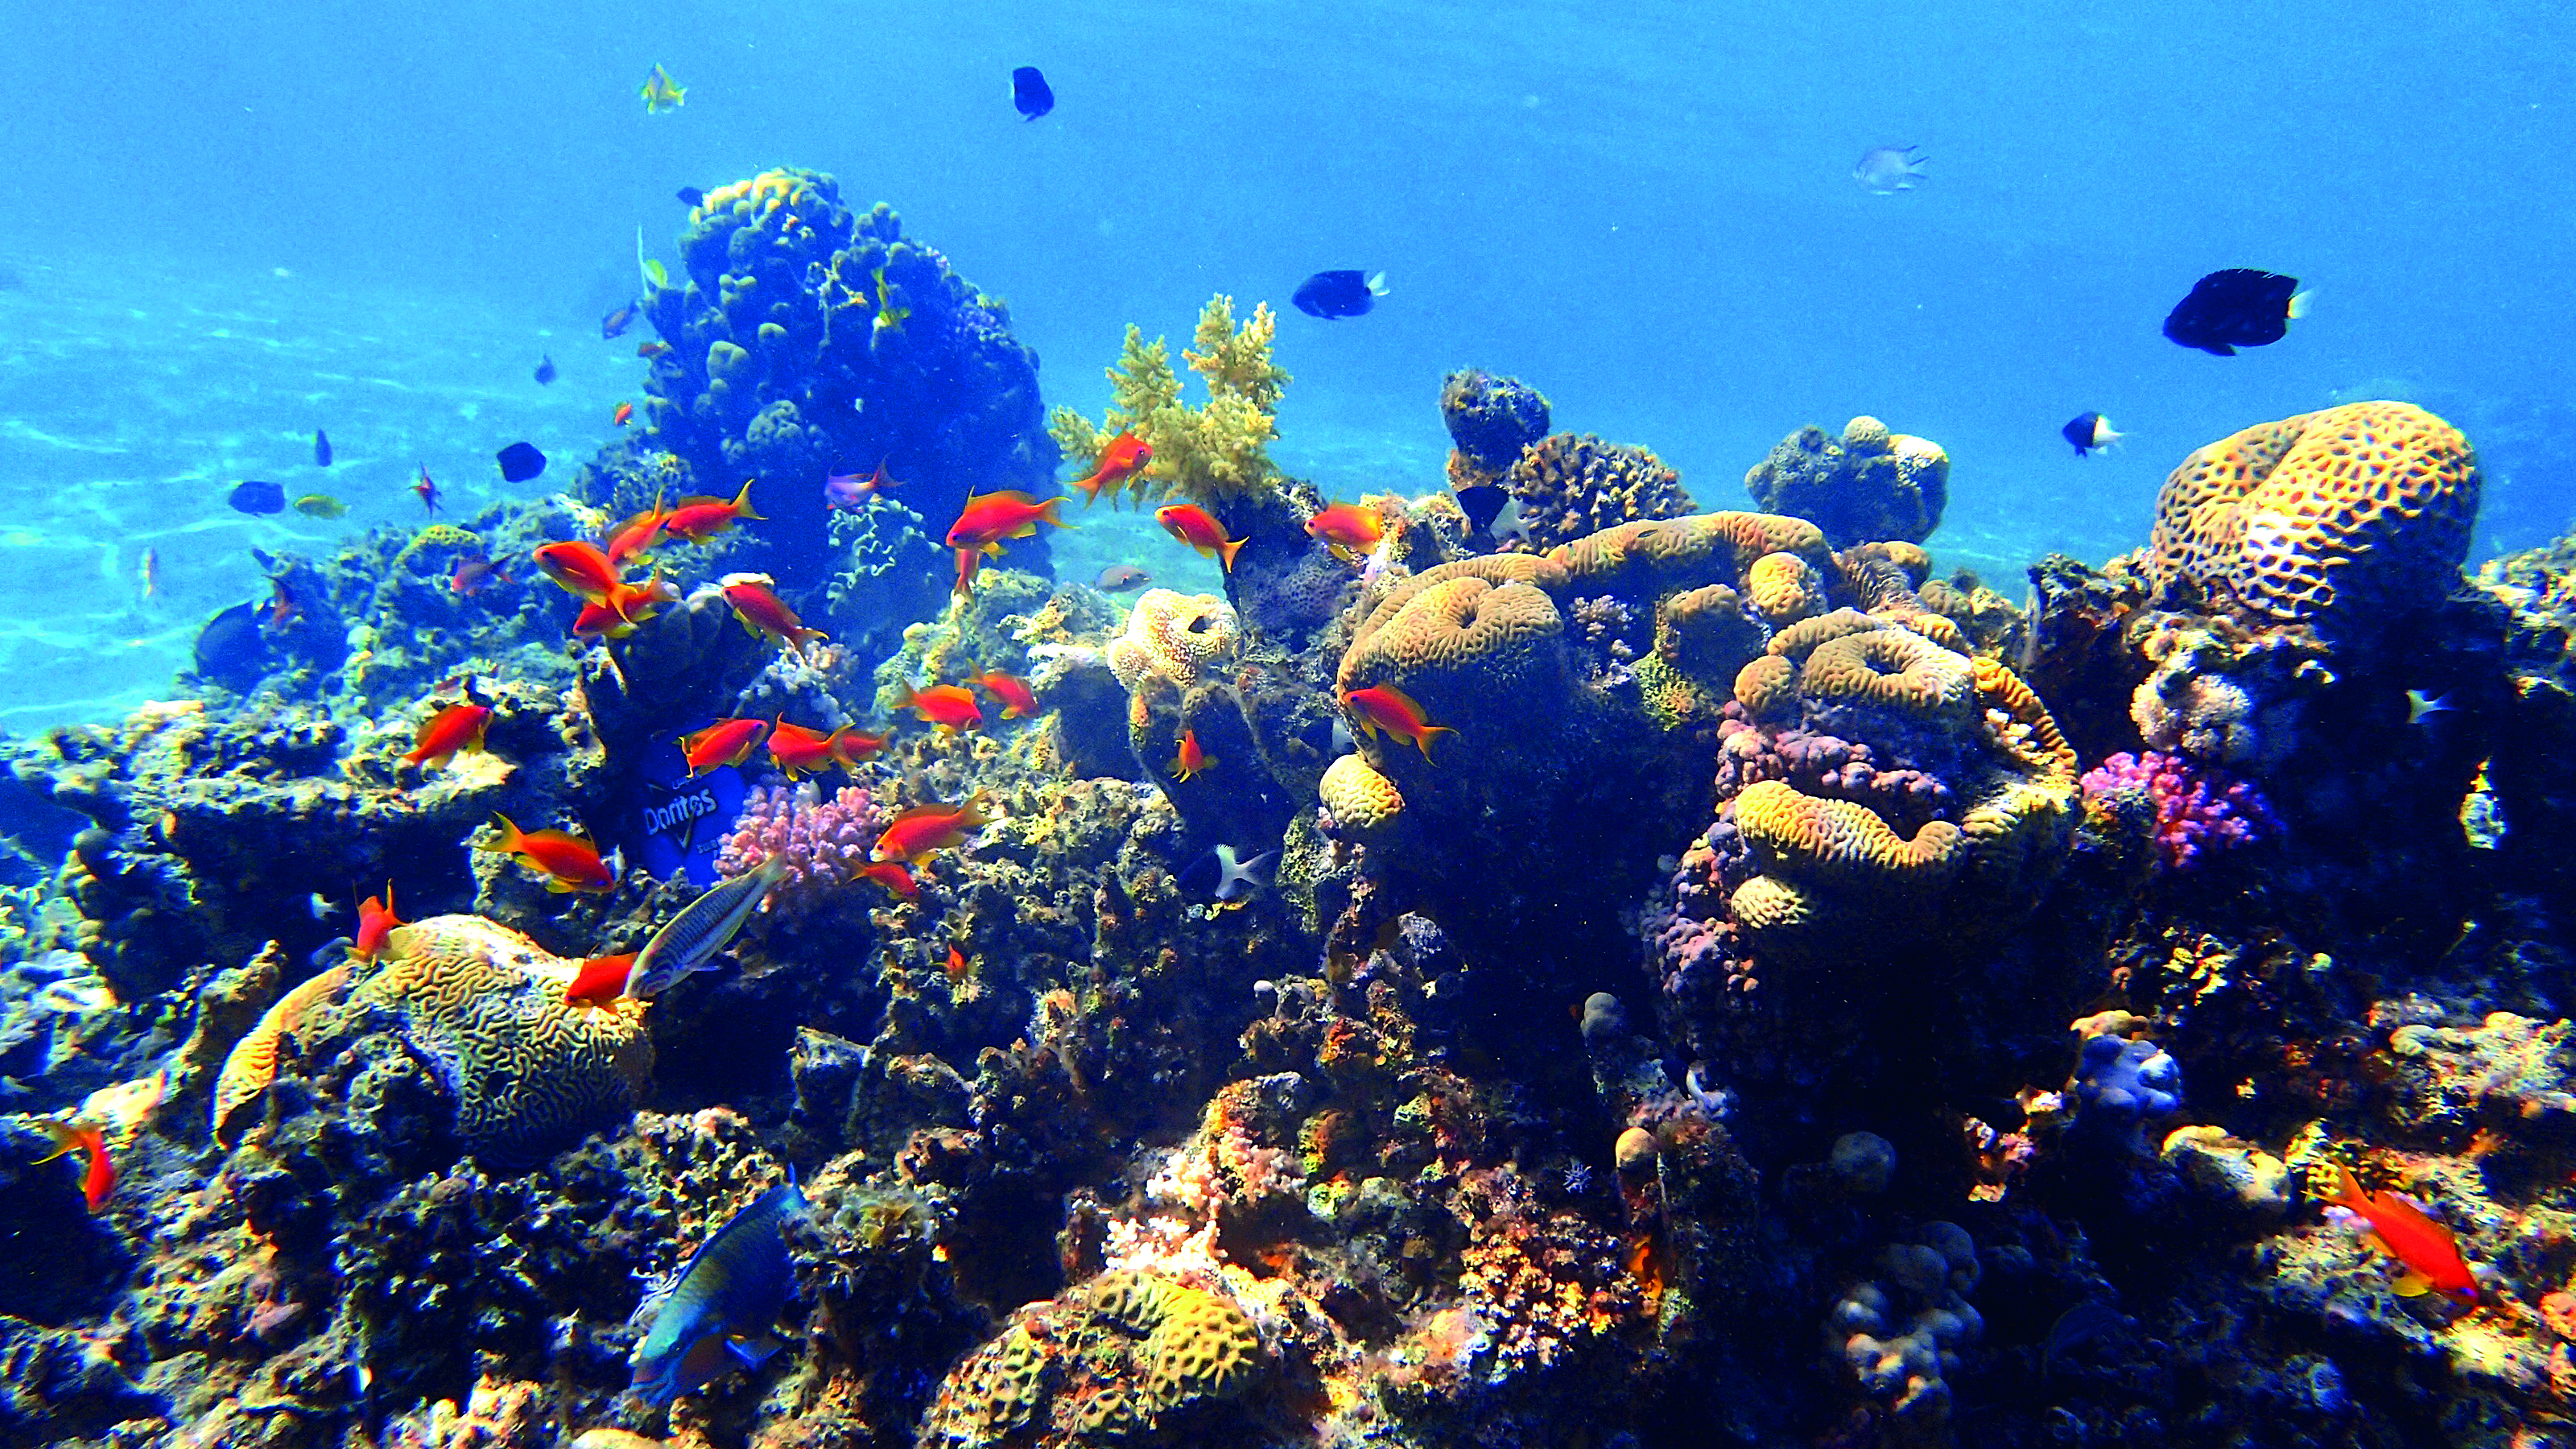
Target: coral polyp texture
<point>1209,451</point>
<point>1570,485</point>
<point>1491,420</point>
<point>2192,808</point>
<point>531,1071</point>
<point>1870,485</point>
<point>1174,637</point>
<point>2335,519</point>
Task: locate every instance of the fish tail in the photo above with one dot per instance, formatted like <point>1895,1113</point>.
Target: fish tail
<point>2340,1190</point>
<point>512,837</point>
<point>1227,549</point>
<point>742,503</point>
<point>66,1137</point>
<point>1423,737</point>
<point>1048,513</point>
<point>2300,303</point>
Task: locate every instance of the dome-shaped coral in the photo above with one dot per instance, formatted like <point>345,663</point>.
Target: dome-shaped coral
<point>1174,637</point>
<point>1569,486</point>
<point>1871,485</point>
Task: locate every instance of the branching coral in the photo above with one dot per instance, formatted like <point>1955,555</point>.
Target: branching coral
<point>823,842</point>
<point>1216,450</point>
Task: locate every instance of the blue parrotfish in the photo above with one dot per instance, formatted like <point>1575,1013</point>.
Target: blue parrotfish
<point>724,1303</point>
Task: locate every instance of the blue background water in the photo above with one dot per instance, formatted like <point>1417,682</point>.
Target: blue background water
<point>237,223</point>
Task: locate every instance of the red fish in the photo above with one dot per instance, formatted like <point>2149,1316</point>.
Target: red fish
<point>990,518</point>
<point>473,574</point>
<point>626,606</point>
<point>1199,529</point>
<point>651,349</point>
<point>1124,458</point>
<point>601,980</point>
<point>376,921</point>
<point>765,614</point>
<point>952,707</point>
<point>958,967</point>
<point>894,876</point>
<point>726,742</point>
<point>636,536</point>
<point>1191,759</point>
<point>924,828</point>
<point>90,1141</point>
<point>1012,691</point>
<point>456,728</point>
<point>567,861</point>
<point>701,518</point>
<point>800,752</point>
<point>2401,1230</point>
<point>614,325</point>
<point>1385,707</point>
<point>849,490</point>
<point>625,412</point>
<point>581,568</point>
<point>855,747</point>
<point>426,491</point>
<point>1350,529</point>
<point>968,561</point>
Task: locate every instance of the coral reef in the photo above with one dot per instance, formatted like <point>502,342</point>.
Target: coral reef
<point>1869,486</point>
<point>1211,452</point>
<point>1568,486</point>
<point>1492,420</point>
<point>2192,808</point>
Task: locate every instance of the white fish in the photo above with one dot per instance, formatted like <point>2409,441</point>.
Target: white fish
<point>1235,877</point>
<point>2421,707</point>
<point>1508,523</point>
<point>691,940</point>
<point>1887,170</point>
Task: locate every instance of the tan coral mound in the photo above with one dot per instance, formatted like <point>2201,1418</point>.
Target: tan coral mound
<point>1197,1344</point>
<point>1174,637</point>
<point>2337,518</point>
<point>1569,486</point>
<point>530,1072</point>
<point>252,1063</point>
<point>1361,801</point>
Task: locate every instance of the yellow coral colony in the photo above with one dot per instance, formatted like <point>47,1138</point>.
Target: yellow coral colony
<point>1216,450</point>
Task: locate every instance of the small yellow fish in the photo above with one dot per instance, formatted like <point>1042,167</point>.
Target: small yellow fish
<point>661,93</point>
<point>320,505</point>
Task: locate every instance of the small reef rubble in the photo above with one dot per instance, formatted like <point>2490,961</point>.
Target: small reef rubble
<point>1708,977</point>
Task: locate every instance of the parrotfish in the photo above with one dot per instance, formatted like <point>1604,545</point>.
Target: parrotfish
<point>1385,707</point>
<point>567,861</point>
<point>2401,1230</point>
<point>1124,458</point>
<point>454,729</point>
<point>1199,529</point>
<point>701,518</point>
<point>726,742</point>
<point>1348,528</point>
<point>691,940</point>
<point>730,1293</point>
<point>925,828</point>
<point>765,614</point>
<point>989,518</point>
<point>1012,691</point>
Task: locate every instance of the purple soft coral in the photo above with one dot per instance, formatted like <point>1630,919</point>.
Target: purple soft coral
<point>824,842</point>
<point>2197,807</point>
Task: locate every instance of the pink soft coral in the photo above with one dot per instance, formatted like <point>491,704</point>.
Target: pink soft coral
<point>824,842</point>
<point>2197,807</point>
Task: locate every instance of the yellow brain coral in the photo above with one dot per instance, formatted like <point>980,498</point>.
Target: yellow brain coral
<point>1785,587</point>
<point>1198,1345</point>
<point>1843,842</point>
<point>1361,801</point>
<point>252,1063</point>
<point>1174,637</point>
<point>486,1004</point>
<point>2335,518</point>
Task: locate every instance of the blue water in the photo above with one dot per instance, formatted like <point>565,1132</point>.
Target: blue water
<point>234,224</point>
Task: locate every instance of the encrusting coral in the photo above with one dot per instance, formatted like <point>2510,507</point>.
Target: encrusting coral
<point>1216,450</point>
<point>1870,486</point>
<point>1569,486</point>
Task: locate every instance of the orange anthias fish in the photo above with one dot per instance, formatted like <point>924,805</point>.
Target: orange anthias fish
<point>1124,458</point>
<point>765,614</point>
<point>457,728</point>
<point>894,876</point>
<point>958,967</point>
<point>626,606</point>
<point>581,568</point>
<point>1385,707</point>
<point>952,707</point>
<point>855,747</point>
<point>567,861</point>
<point>968,561</point>
<point>1191,759</point>
<point>726,742</point>
<point>426,492</point>
<point>1199,529</point>
<point>601,980</point>
<point>990,518</point>
<point>925,828</point>
<point>90,1140</point>
<point>636,536</point>
<point>2401,1230</point>
<point>473,574</point>
<point>702,518</point>
<point>624,414</point>
<point>1012,691</point>
<point>651,349</point>
<point>1349,528</point>
<point>800,751</point>
<point>376,921</point>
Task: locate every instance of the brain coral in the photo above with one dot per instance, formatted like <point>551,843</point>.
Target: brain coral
<point>486,1006</point>
<point>1174,637</point>
<point>1870,486</point>
<point>252,1063</point>
<point>1363,803</point>
<point>2338,518</point>
<point>1569,486</point>
<point>1197,1344</point>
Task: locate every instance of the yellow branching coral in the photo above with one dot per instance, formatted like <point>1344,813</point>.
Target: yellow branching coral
<point>1216,450</point>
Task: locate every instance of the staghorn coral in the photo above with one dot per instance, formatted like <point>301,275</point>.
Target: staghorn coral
<point>2341,519</point>
<point>252,1063</point>
<point>1569,486</point>
<point>1215,451</point>
<point>1871,486</point>
<point>487,1006</point>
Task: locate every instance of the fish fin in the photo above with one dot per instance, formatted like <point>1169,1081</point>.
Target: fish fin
<point>65,1139</point>
<point>2377,1244</point>
<point>2301,303</point>
<point>2412,1284</point>
<point>1377,284</point>
<point>1226,552</point>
